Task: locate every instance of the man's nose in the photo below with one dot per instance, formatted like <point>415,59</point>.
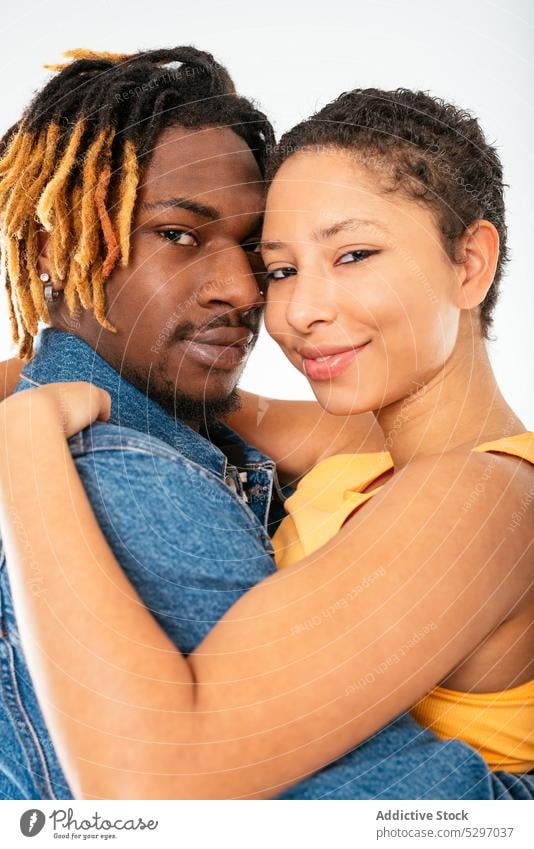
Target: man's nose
<point>231,282</point>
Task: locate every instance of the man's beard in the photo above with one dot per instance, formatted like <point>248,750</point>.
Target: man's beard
<point>178,403</point>
<point>191,410</point>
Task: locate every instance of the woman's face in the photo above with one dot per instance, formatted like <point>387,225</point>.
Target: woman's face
<point>361,297</point>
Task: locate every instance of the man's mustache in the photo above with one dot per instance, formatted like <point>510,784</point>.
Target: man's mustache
<point>250,320</point>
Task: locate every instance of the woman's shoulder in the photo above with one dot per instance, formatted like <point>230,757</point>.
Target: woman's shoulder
<point>490,486</point>
<point>491,463</point>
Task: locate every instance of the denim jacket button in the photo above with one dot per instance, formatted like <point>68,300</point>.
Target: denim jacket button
<point>231,482</point>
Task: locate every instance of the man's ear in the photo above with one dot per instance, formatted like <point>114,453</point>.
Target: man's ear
<point>479,251</point>
<point>43,243</point>
<point>44,265</point>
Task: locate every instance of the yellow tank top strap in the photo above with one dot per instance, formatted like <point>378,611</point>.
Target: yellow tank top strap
<point>521,445</point>
<point>323,500</point>
<point>334,489</point>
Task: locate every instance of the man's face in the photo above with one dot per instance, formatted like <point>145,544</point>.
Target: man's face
<point>187,307</point>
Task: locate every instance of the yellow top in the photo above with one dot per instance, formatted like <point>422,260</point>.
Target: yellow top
<point>499,725</point>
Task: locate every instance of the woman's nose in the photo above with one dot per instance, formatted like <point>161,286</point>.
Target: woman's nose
<point>311,302</point>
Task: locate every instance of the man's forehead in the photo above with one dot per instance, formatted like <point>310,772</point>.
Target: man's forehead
<point>210,165</point>
<point>202,151</point>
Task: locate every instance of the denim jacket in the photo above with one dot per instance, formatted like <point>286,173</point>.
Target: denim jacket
<point>189,519</point>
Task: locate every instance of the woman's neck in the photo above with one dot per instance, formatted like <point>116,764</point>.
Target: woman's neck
<point>461,406</point>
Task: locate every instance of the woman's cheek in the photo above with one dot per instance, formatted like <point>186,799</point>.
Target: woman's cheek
<point>274,319</point>
<point>275,313</point>
<point>431,328</point>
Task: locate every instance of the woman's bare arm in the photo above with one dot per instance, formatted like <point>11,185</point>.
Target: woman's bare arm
<point>396,600</point>
<point>297,434</point>
<point>9,376</point>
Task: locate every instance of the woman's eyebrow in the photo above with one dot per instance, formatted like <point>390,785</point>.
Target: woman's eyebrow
<point>325,233</point>
<point>272,246</point>
<point>352,224</point>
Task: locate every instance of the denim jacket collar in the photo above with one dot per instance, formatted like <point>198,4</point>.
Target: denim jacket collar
<point>62,356</point>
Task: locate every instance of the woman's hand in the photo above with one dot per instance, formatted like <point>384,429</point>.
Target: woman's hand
<point>9,376</point>
<point>73,405</point>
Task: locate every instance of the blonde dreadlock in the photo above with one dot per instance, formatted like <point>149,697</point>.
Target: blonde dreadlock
<point>73,163</point>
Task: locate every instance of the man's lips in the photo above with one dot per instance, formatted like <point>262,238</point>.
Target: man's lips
<point>328,361</point>
<point>219,348</point>
<point>224,336</point>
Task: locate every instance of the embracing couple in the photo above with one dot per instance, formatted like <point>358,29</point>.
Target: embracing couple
<point>207,594</point>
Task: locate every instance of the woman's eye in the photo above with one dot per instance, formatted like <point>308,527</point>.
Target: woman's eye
<point>354,256</point>
<point>179,237</point>
<point>281,273</point>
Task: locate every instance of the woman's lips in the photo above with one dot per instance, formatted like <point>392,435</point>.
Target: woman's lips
<point>318,368</point>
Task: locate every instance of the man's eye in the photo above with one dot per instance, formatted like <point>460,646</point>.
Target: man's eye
<point>354,256</point>
<point>179,237</point>
<point>281,273</point>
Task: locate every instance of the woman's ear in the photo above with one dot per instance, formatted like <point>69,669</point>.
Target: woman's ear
<point>479,252</point>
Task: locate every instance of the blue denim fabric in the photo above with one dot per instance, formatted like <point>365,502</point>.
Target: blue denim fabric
<point>192,545</point>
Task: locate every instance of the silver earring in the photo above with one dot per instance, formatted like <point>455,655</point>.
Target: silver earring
<point>49,293</point>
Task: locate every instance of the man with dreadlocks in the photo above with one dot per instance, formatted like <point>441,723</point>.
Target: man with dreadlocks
<point>131,194</point>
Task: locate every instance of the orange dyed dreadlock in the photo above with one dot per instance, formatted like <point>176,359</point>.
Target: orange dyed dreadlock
<point>72,165</point>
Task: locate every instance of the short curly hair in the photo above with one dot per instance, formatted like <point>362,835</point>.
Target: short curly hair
<point>431,150</point>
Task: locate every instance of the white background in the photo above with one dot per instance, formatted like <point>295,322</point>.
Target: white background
<point>293,57</point>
